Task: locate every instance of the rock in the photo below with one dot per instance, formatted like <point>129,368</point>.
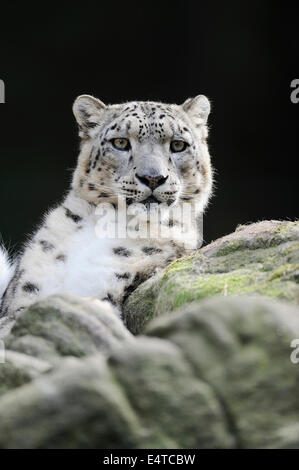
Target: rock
<point>145,396</point>
<point>241,348</point>
<point>77,406</point>
<point>261,258</point>
<point>19,369</point>
<point>212,369</point>
<point>67,325</point>
<point>179,409</point>
<point>62,325</point>
<point>213,374</point>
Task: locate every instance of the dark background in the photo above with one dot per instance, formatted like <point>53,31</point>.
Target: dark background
<point>242,55</point>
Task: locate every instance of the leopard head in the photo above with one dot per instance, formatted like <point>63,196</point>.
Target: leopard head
<point>147,152</point>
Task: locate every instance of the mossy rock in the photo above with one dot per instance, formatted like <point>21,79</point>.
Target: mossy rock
<point>241,347</point>
<point>79,405</point>
<point>178,409</point>
<point>211,370</point>
<point>66,325</point>
<point>261,258</point>
<point>145,396</point>
<point>214,374</point>
<point>19,369</point>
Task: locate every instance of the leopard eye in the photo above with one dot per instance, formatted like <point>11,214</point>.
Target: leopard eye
<point>178,145</point>
<point>121,143</point>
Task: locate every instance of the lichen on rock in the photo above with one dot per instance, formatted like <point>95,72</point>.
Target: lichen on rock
<point>261,258</point>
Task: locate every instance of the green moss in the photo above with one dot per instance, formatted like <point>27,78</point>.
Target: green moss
<point>11,377</point>
<point>183,289</point>
<point>231,247</point>
<point>283,271</point>
<point>186,289</point>
<point>182,264</point>
<point>276,290</point>
<point>240,227</point>
<point>285,231</point>
<point>49,323</point>
<point>263,262</point>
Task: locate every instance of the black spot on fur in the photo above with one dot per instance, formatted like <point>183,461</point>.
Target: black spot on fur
<point>91,187</point>
<point>20,309</point>
<point>196,191</point>
<point>76,218</point>
<point>30,288</point>
<point>170,201</point>
<point>122,276</point>
<point>3,310</point>
<point>14,283</point>
<point>61,257</point>
<point>46,246</point>
<point>110,299</point>
<point>150,250</point>
<point>121,251</point>
<point>138,279</point>
<point>91,124</point>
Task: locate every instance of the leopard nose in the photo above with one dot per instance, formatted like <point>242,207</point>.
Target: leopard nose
<point>152,181</point>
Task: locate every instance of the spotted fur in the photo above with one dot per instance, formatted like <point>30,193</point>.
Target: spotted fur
<point>65,254</point>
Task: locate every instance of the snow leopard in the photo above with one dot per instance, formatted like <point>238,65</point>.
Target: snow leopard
<point>151,156</point>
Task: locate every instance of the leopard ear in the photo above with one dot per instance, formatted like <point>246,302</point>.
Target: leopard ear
<point>87,111</point>
<point>198,109</point>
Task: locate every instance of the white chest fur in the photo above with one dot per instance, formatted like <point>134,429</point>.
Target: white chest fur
<point>93,267</point>
<point>68,254</point>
